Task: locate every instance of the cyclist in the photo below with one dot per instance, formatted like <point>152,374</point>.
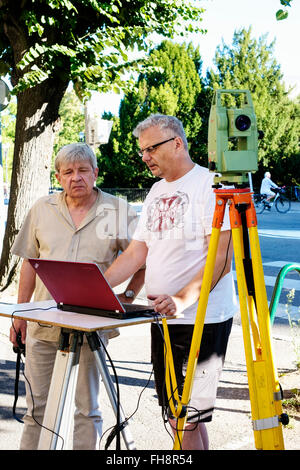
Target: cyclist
<point>265,188</point>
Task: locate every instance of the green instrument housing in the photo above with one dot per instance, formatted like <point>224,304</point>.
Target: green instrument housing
<point>232,139</point>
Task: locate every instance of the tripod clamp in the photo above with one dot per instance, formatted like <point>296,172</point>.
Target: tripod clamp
<point>269,423</point>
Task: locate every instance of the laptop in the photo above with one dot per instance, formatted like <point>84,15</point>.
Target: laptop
<point>81,287</point>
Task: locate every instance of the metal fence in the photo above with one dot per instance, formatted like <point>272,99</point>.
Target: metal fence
<point>130,194</point>
<point>139,194</point>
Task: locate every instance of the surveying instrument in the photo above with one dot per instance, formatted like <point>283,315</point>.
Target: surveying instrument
<point>232,156</point>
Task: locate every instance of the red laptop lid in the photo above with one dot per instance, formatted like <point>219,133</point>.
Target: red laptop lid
<point>75,283</point>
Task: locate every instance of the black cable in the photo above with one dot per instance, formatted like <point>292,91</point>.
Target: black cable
<point>115,430</point>
<point>133,413</point>
<point>226,259</point>
<point>165,407</point>
<point>29,385</point>
<point>19,351</point>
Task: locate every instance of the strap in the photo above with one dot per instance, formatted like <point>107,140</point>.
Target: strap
<point>19,351</point>
<point>17,386</point>
<point>178,409</point>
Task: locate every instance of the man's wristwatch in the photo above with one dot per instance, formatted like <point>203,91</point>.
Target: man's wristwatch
<point>129,294</point>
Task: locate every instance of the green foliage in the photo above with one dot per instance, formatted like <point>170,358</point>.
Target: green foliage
<point>72,121</point>
<point>85,41</point>
<point>88,42</point>
<point>71,125</point>
<point>171,86</point>
<point>249,64</point>
<point>8,123</point>
<point>282,14</point>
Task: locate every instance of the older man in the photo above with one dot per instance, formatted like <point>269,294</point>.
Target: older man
<point>81,223</point>
<point>172,237</point>
<point>266,187</point>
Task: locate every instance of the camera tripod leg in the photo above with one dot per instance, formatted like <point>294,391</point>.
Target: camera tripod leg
<point>64,378</point>
<point>242,290</point>
<point>264,389</point>
<point>269,392</point>
<point>64,373</point>
<point>95,346</point>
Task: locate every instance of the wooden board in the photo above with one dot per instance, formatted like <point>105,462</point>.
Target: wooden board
<point>46,312</point>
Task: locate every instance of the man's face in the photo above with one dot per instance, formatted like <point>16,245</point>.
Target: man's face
<point>160,158</point>
<point>77,179</point>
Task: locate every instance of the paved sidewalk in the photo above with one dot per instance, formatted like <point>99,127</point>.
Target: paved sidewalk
<point>231,427</point>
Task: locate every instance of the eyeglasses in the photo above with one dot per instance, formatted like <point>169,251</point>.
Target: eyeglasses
<point>153,147</point>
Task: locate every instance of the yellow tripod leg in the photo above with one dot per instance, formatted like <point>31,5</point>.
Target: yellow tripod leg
<point>171,382</point>
<point>264,389</point>
<point>250,299</point>
<point>267,429</point>
<point>266,375</point>
<point>254,327</point>
<point>242,291</point>
<point>198,329</point>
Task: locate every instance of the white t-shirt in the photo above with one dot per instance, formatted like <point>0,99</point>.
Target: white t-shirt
<point>176,218</point>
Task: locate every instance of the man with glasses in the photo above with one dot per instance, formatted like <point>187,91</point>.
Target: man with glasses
<point>172,238</point>
<point>81,223</point>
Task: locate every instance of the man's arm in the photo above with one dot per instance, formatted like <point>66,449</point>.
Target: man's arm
<point>135,285</point>
<point>273,185</point>
<point>168,305</point>
<point>26,289</point>
<point>127,264</point>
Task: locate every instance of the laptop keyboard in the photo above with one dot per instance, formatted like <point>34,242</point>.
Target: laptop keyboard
<point>137,308</point>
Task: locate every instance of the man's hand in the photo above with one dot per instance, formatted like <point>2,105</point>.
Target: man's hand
<point>166,304</point>
<point>26,288</point>
<point>19,326</point>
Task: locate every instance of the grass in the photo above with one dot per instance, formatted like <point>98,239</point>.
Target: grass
<point>292,405</point>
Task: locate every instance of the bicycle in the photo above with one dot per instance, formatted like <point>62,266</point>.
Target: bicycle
<point>282,203</point>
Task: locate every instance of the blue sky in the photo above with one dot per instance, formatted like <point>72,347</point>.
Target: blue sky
<point>223,17</point>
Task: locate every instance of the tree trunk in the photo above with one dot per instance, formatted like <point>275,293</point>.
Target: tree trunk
<point>37,120</point>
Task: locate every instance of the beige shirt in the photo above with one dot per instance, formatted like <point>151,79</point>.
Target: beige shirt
<point>48,232</point>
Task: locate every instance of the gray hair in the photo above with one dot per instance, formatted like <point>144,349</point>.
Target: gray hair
<point>267,173</point>
<point>76,152</point>
<point>163,122</point>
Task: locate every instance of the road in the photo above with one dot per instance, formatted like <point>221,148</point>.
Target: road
<point>231,427</point>
<point>279,236</point>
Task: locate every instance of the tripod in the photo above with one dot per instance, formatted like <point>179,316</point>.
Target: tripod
<point>264,389</point>
<point>64,380</point>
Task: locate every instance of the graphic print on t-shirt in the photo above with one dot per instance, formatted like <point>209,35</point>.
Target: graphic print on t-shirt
<point>166,212</point>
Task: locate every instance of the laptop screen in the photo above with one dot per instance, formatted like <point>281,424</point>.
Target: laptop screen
<point>76,283</point>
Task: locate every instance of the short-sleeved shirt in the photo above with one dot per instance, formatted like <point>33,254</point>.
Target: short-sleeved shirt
<point>49,232</point>
<point>175,222</point>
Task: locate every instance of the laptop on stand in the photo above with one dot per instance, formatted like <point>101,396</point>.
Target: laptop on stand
<point>81,287</point>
